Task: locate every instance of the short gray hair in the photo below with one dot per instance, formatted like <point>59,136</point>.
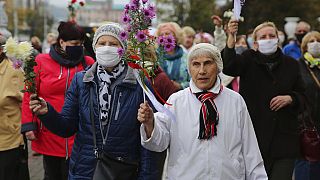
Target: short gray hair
<point>207,50</point>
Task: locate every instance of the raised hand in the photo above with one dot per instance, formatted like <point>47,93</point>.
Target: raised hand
<point>145,116</point>
<point>217,21</point>
<point>232,31</point>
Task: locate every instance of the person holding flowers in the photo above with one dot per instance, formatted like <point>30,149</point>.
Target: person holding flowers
<point>109,91</point>
<point>174,61</point>
<point>11,140</point>
<point>54,72</point>
<point>212,136</point>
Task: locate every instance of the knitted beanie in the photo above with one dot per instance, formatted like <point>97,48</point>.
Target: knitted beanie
<point>111,29</point>
<point>206,49</point>
<point>70,31</point>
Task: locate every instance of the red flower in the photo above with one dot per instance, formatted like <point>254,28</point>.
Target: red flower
<point>135,57</point>
<point>81,3</point>
<point>73,1</point>
<point>134,65</point>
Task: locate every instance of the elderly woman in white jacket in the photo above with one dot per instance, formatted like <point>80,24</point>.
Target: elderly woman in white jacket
<point>212,136</point>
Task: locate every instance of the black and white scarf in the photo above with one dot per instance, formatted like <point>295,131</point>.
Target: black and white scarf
<point>106,79</point>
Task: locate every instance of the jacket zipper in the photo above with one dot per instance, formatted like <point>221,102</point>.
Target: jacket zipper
<point>65,92</point>
<point>118,107</point>
<point>59,77</point>
<point>101,130</point>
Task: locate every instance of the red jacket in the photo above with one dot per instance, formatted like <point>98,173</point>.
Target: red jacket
<point>163,85</point>
<point>52,84</point>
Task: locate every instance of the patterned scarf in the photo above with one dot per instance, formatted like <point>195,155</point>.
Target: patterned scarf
<point>209,116</point>
<point>106,79</point>
<point>313,62</point>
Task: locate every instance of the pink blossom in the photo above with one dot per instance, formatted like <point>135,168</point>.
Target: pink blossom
<point>17,64</point>
<point>120,51</point>
<point>141,36</point>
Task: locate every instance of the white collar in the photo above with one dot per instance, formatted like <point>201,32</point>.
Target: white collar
<point>215,89</point>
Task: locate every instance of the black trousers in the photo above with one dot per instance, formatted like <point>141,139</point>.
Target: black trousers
<point>10,164</point>
<point>55,168</point>
<point>279,169</point>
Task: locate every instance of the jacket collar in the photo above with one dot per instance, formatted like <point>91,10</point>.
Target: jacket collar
<point>273,58</point>
<point>128,77</point>
<point>61,58</point>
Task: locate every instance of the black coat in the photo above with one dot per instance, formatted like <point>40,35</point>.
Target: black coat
<point>261,79</point>
<point>312,90</point>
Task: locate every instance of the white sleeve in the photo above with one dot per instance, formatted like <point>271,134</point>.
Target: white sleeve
<point>252,157</point>
<point>220,38</point>
<point>225,79</point>
<point>160,137</point>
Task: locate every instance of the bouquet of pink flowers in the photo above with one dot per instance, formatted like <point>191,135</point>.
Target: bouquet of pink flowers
<point>137,17</point>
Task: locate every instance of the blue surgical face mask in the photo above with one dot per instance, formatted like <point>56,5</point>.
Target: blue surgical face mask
<point>240,49</point>
<point>74,52</point>
<point>250,42</point>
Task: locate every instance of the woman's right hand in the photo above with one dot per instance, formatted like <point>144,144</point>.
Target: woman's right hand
<point>232,31</point>
<point>30,136</point>
<point>146,117</point>
<point>38,105</point>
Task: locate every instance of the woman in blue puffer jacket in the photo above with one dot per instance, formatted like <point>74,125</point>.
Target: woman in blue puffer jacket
<point>116,96</point>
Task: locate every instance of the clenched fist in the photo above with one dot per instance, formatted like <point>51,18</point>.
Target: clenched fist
<point>38,105</point>
<point>145,116</point>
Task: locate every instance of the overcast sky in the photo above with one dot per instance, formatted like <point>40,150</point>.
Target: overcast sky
<point>63,3</point>
<point>60,3</point>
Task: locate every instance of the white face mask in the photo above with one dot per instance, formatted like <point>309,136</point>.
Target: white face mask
<point>107,56</point>
<point>314,49</point>
<point>268,46</point>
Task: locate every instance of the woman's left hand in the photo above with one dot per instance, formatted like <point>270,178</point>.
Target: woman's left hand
<point>279,102</point>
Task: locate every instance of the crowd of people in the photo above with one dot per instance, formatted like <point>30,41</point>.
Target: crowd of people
<point>236,99</point>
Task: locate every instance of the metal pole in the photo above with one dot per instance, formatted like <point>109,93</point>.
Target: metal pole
<point>15,18</point>
<point>45,19</point>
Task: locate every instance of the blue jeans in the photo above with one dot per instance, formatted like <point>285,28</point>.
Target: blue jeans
<point>305,170</point>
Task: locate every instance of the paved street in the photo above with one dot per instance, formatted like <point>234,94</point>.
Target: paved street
<point>35,166</point>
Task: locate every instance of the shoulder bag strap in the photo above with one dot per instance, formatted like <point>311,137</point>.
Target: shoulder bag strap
<point>95,148</point>
<point>314,77</point>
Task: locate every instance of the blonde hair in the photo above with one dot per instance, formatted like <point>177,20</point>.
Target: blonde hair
<point>173,27</point>
<point>306,39</point>
<point>188,31</point>
<point>35,40</point>
<point>52,35</point>
<point>263,25</point>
